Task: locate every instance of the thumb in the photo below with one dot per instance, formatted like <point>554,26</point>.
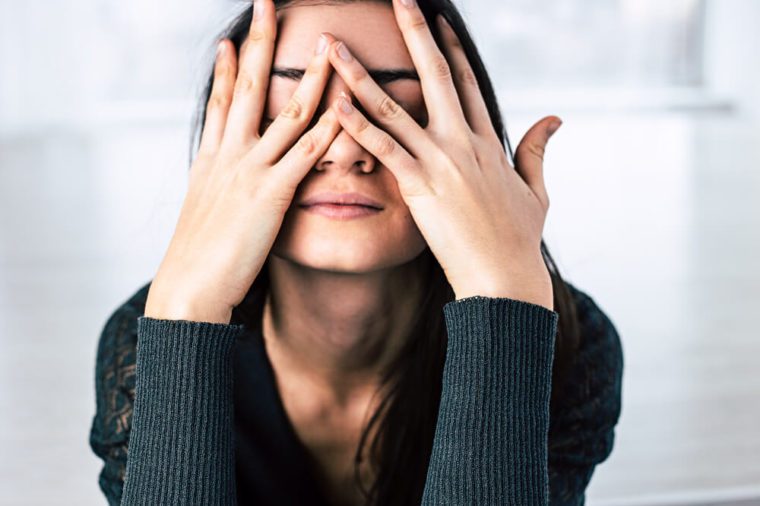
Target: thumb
<point>529,156</point>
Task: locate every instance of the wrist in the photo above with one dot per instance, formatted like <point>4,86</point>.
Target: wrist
<point>531,283</point>
<point>189,313</point>
<point>193,310</point>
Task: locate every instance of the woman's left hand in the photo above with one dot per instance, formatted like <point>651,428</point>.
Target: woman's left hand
<point>482,220</point>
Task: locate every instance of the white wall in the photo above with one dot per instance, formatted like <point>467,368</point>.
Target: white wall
<point>732,52</point>
<point>652,210</point>
<point>85,62</point>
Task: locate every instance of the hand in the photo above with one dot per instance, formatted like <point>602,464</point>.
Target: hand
<point>481,219</point>
<point>241,184</point>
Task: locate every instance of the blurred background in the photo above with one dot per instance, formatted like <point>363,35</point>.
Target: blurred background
<point>654,180</point>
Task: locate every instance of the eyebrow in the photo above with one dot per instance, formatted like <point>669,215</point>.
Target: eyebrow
<point>380,76</point>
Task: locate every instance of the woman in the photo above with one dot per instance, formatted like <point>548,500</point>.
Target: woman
<point>356,306</point>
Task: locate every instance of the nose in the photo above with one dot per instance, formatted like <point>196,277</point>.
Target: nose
<point>344,154</point>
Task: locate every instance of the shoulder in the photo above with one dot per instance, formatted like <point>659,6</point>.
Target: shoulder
<point>120,328</point>
<point>582,424</point>
<point>600,346</point>
<point>115,362</point>
<point>115,392</point>
<point>590,404</point>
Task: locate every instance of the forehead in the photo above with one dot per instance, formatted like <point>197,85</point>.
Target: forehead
<point>368,28</point>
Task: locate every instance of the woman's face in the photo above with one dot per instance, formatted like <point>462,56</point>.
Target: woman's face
<point>384,239</point>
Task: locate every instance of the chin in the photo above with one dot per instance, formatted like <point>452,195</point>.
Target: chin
<point>358,253</point>
<point>348,246</point>
<point>335,257</point>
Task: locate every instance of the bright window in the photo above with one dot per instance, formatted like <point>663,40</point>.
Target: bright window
<point>589,43</point>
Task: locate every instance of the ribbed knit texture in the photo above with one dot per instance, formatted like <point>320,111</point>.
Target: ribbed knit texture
<point>490,443</point>
<point>267,450</point>
<point>181,448</point>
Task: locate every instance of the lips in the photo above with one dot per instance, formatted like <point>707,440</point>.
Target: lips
<point>344,199</point>
<point>342,212</point>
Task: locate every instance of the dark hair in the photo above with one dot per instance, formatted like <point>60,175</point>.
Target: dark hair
<point>407,414</point>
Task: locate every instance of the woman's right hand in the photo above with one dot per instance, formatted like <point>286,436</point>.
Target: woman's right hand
<point>241,183</point>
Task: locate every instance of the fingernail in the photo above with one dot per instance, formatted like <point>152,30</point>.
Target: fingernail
<point>321,44</point>
<point>554,127</point>
<point>407,3</point>
<point>220,48</point>
<point>258,9</point>
<point>345,103</point>
<point>343,52</point>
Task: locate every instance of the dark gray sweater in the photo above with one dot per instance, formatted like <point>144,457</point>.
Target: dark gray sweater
<point>493,444</point>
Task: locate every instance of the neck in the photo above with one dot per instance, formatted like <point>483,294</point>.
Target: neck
<point>335,331</point>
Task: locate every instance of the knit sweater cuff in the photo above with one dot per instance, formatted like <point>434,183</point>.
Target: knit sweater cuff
<point>491,441</point>
<point>182,423</point>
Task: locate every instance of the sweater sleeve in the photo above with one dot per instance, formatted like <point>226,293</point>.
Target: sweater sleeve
<point>491,438</point>
<point>181,447</point>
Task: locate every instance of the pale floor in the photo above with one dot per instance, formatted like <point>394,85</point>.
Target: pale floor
<point>656,216</point>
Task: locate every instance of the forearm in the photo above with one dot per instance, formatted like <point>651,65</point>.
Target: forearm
<point>180,447</point>
<point>526,280</point>
<point>490,444</point>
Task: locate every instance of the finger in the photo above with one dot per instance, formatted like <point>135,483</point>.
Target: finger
<point>253,75</point>
<point>529,156</point>
<point>217,108</point>
<point>297,114</point>
<point>466,83</point>
<point>378,142</point>
<point>377,103</point>
<point>305,153</point>
<point>438,88</point>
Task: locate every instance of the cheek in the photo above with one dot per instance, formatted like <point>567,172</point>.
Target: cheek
<point>409,95</point>
<point>419,114</point>
<point>277,99</point>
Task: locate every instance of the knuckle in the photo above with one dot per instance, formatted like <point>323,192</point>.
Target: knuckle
<point>362,125</point>
<point>257,34</point>
<point>388,108</point>
<point>306,144</point>
<point>294,108</point>
<point>440,68</point>
<point>384,145</point>
<point>536,150</point>
<point>218,101</point>
<point>453,39</point>
<point>245,84</point>
<point>357,73</point>
<point>468,77</point>
<point>224,70</point>
<point>326,122</point>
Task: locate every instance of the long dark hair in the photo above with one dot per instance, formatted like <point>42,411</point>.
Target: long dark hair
<point>405,420</point>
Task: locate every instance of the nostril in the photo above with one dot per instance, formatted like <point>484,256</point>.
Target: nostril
<point>323,165</point>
